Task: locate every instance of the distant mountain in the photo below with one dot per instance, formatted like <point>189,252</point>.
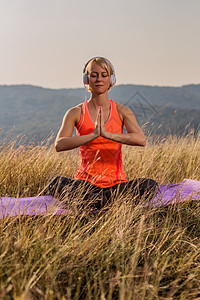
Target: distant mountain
<point>37,112</point>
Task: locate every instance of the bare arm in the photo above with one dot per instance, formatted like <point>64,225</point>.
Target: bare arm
<point>64,140</point>
<point>134,135</point>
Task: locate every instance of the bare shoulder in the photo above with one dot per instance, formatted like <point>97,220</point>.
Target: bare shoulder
<point>123,111</point>
<point>74,113</point>
<point>75,110</point>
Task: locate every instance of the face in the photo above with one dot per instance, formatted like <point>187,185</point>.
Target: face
<point>99,79</point>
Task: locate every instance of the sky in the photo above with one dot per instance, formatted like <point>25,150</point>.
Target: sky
<point>149,42</point>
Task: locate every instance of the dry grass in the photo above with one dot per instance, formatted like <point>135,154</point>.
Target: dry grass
<point>129,252</point>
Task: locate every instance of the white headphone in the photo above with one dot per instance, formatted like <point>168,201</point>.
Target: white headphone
<point>112,77</point>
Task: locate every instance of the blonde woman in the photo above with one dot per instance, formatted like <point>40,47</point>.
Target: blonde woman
<point>99,125</point>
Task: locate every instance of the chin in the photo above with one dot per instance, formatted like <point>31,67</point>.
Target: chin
<point>99,91</point>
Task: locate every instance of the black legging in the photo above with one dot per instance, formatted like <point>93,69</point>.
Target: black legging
<point>99,197</point>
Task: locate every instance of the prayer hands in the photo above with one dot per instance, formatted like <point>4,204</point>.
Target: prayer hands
<point>99,124</point>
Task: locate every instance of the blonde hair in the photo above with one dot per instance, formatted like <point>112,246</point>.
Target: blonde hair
<point>103,62</point>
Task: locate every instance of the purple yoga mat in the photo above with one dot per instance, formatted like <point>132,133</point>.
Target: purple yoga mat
<point>41,205</point>
<point>47,205</point>
<point>178,192</point>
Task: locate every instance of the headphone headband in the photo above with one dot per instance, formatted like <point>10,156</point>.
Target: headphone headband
<point>112,77</point>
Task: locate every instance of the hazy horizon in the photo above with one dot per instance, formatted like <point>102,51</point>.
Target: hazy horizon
<point>82,87</point>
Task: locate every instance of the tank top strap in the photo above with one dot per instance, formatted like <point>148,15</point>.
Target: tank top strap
<point>78,126</point>
<point>114,110</point>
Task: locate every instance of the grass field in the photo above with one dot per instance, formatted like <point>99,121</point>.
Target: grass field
<point>129,252</point>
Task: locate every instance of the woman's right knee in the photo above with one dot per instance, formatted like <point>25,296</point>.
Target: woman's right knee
<point>56,184</point>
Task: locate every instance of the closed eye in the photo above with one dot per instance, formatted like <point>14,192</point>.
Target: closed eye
<point>95,74</point>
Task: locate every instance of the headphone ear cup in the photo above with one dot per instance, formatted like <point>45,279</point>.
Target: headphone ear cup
<point>112,80</point>
<point>85,79</point>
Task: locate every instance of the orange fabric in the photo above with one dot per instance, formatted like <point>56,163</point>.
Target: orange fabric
<point>101,159</point>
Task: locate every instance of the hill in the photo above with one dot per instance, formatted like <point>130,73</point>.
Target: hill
<point>37,112</point>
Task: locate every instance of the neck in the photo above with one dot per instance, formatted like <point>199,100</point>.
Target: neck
<point>99,100</point>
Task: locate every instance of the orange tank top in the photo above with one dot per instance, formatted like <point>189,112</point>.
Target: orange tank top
<point>101,159</point>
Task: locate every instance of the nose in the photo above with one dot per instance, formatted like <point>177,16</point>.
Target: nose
<point>99,77</point>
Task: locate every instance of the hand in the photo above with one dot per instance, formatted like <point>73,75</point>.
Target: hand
<point>102,125</point>
<point>97,129</point>
<point>99,124</point>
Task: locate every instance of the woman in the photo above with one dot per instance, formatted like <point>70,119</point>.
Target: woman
<point>99,124</point>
